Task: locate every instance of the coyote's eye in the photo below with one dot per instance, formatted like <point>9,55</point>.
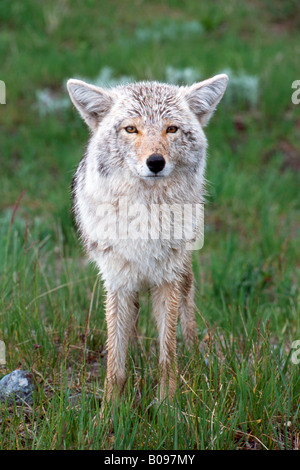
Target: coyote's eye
<point>172,129</point>
<point>131,129</point>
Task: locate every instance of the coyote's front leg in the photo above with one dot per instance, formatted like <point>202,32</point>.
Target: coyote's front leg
<point>165,307</point>
<point>121,312</point>
<point>186,305</point>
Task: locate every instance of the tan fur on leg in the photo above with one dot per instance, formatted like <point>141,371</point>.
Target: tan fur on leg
<point>165,306</point>
<point>186,305</point>
<point>121,312</point>
<point>135,318</point>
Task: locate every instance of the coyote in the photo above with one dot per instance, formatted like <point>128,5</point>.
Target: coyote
<point>147,147</point>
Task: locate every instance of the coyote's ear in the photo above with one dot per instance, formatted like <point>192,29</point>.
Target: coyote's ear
<point>92,102</point>
<point>203,97</point>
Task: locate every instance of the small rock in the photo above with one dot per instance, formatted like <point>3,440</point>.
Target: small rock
<point>17,387</point>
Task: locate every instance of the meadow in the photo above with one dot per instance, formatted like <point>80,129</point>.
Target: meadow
<point>241,388</point>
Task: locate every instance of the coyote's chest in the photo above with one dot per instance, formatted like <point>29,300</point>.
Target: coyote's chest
<point>138,264</point>
<point>134,242</point>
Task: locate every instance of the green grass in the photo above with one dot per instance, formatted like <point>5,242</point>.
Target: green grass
<point>240,390</point>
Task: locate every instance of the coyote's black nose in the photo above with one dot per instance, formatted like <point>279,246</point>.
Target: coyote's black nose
<point>155,162</point>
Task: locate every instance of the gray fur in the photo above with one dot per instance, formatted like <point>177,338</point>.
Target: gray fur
<point>113,170</point>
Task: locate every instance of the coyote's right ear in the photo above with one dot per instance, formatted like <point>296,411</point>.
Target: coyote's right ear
<point>92,102</point>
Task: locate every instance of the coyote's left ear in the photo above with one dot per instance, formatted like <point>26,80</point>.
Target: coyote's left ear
<point>92,102</point>
<point>203,97</point>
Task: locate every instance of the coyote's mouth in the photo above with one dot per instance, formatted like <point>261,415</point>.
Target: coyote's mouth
<point>159,177</point>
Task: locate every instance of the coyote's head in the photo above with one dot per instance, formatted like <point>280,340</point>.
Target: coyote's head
<point>149,128</point>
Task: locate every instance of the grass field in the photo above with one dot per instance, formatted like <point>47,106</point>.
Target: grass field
<point>241,389</point>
